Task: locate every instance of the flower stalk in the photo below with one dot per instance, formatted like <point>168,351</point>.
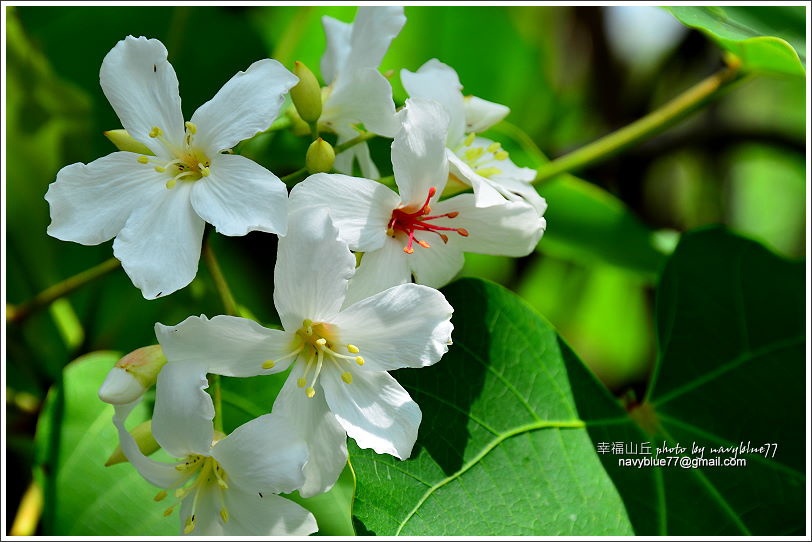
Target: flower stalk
<point>645,127</point>
<point>61,289</point>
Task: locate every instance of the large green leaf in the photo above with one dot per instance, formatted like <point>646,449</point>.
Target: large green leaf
<point>501,448</point>
<point>730,323</point>
<point>766,38</point>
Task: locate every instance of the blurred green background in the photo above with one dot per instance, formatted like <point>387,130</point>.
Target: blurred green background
<point>569,74</point>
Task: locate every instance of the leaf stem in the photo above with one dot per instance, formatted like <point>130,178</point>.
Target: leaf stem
<point>653,123</point>
<point>61,289</point>
<point>365,136</point>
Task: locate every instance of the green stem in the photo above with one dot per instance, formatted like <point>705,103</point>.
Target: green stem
<point>653,123</point>
<point>366,136</point>
<point>219,280</point>
<point>295,176</point>
<point>231,309</point>
<point>217,398</point>
<point>61,289</point>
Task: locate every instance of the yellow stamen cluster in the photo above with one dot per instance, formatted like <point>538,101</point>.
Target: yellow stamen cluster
<point>206,471</point>
<point>315,343</point>
<point>190,163</point>
<point>480,159</point>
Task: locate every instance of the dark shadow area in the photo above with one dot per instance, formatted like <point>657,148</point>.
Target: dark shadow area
<point>455,380</point>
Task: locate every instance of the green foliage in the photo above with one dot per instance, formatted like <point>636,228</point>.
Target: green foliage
<point>766,39</point>
<point>501,449</point>
<point>730,327</point>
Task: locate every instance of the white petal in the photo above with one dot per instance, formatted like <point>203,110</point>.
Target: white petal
<point>91,203</point>
<point>375,411</point>
<point>437,265</point>
<point>206,506</point>
<point>373,30</point>
<point>268,515</point>
<point>225,345</point>
<point>418,151</point>
<point>518,190</point>
<point>481,114</point>
<point>337,34</point>
<point>360,152</point>
<point>154,472</point>
<point>360,208</point>
<point>239,196</point>
<point>363,96</point>
<point>247,104</point>
<point>183,414</point>
<point>142,87</point>
<point>312,269</point>
<point>159,246</point>
<point>512,229</point>
<point>484,191</point>
<point>405,326</point>
<point>439,82</point>
<point>379,270</point>
<point>313,421</point>
<point>263,455</point>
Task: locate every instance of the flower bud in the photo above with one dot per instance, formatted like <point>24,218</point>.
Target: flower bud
<point>142,434</point>
<point>125,142</point>
<point>134,374</point>
<point>306,94</point>
<point>320,157</point>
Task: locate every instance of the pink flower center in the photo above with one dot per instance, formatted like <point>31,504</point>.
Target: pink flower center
<point>410,222</point>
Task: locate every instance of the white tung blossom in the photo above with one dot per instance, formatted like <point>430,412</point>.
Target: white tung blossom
<point>225,485</point>
<point>473,161</point>
<point>413,233</point>
<point>340,353</point>
<point>356,91</point>
<point>156,205</point>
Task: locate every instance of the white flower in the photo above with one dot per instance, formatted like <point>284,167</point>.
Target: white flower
<point>156,206</point>
<point>473,161</point>
<point>340,354</point>
<point>226,485</point>
<point>413,233</point>
<point>356,91</point>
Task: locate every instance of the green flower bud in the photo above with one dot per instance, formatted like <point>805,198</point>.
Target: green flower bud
<point>125,142</point>
<point>134,374</point>
<point>306,94</point>
<point>320,157</point>
<point>142,434</point>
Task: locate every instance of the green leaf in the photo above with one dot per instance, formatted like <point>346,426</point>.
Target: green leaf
<point>501,449</point>
<point>74,438</point>
<point>730,325</point>
<point>590,225</point>
<point>767,39</point>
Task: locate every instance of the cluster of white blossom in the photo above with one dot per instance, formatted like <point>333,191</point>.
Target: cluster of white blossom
<point>344,325</point>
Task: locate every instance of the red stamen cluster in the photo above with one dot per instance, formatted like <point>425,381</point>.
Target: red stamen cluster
<point>409,223</point>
